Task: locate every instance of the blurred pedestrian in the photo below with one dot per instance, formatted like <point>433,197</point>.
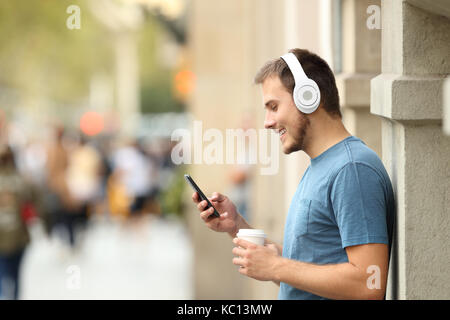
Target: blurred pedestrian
<point>134,170</point>
<point>59,201</point>
<point>14,235</point>
<point>83,178</point>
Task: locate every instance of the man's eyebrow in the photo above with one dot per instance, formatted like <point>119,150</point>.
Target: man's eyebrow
<point>270,102</point>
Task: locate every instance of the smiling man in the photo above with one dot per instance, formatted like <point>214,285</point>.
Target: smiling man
<point>339,226</point>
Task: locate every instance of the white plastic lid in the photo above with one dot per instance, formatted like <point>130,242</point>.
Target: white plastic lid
<point>251,233</point>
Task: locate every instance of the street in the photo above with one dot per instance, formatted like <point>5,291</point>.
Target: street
<point>146,260</point>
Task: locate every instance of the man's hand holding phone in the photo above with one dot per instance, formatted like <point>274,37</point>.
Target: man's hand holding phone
<point>230,220</point>
<point>218,212</point>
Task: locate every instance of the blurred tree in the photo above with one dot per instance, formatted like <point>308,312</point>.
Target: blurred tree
<point>157,93</point>
<point>40,56</point>
<point>172,197</point>
<point>42,59</point>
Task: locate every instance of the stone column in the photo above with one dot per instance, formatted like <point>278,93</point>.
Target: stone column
<point>127,82</point>
<point>408,97</point>
<point>446,101</point>
<point>361,59</point>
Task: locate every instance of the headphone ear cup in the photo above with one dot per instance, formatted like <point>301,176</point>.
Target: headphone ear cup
<point>307,96</point>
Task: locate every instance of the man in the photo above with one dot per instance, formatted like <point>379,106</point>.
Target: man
<point>339,225</point>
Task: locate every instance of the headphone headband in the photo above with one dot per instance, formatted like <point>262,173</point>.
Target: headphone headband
<point>295,67</point>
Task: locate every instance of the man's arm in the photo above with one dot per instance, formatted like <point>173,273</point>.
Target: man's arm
<point>351,280</point>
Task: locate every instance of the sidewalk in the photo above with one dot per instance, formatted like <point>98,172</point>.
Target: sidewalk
<point>151,260</point>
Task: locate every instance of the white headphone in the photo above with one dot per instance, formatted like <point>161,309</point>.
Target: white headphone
<point>306,91</point>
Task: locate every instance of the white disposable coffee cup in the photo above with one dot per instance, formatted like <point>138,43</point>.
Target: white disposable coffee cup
<point>256,236</point>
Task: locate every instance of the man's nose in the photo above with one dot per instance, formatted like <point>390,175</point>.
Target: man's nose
<point>269,122</point>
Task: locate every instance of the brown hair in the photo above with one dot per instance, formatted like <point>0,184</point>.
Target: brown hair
<point>315,68</point>
<point>6,157</point>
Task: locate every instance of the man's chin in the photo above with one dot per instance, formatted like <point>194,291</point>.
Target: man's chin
<point>289,149</point>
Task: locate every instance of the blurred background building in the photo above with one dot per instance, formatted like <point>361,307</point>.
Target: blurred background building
<point>92,91</point>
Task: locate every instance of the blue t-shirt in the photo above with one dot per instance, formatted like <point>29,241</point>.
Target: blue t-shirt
<point>345,198</point>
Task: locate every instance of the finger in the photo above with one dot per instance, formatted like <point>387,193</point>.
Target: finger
<point>195,197</point>
<point>239,262</point>
<point>238,251</point>
<point>243,271</point>
<point>206,214</point>
<point>244,244</point>
<point>217,197</point>
<point>201,205</point>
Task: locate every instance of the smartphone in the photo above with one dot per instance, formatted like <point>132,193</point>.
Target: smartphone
<point>201,194</point>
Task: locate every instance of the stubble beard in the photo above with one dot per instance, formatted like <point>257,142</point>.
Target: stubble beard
<point>299,141</point>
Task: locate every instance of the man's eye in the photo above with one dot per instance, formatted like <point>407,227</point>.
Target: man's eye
<point>274,107</point>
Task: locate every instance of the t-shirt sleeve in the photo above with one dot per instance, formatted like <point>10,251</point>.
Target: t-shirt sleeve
<point>359,205</point>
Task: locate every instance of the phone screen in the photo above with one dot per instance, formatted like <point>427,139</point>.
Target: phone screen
<point>201,194</point>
